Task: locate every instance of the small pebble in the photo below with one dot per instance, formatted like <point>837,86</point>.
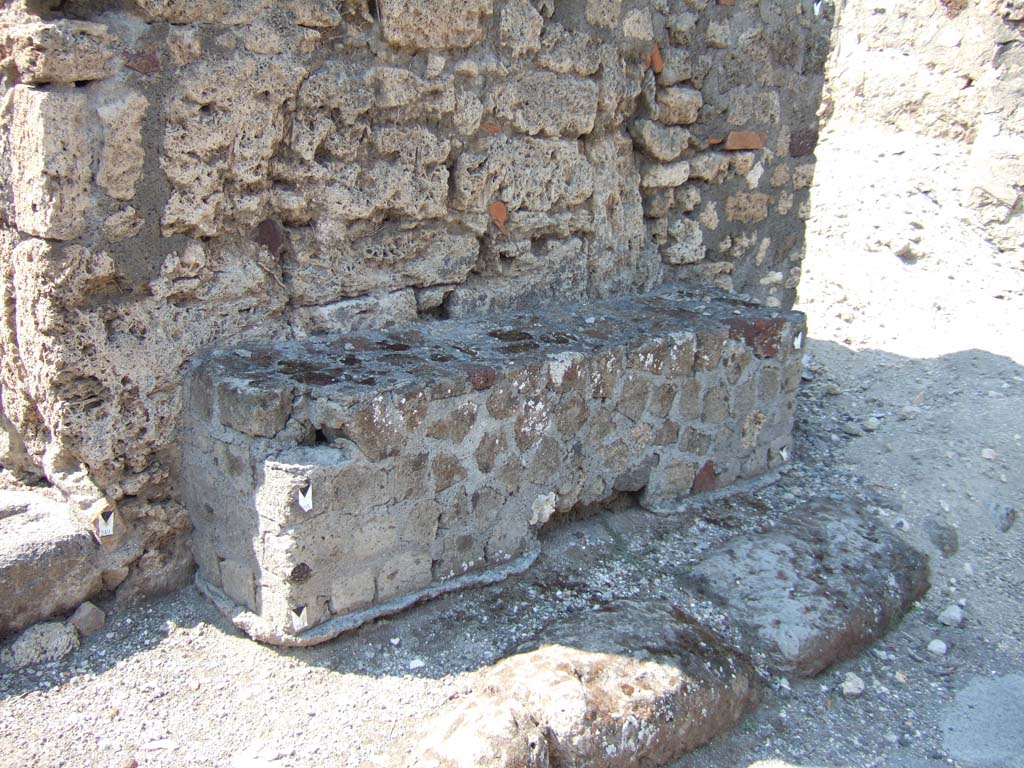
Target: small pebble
<point>1003,515</point>
<point>417,664</point>
<point>852,429</point>
<point>953,616</point>
<point>909,411</point>
<point>871,424</point>
<point>937,647</point>
<point>852,686</point>
<point>833,389</point>
<point>988,454</point>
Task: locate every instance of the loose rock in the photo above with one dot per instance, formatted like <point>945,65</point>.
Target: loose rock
<point>937,647</point>
<point>852,686</point>
<point>44,642</point>
<point>1003,515</point>
<point>944,536</point>
<point>87,619</point>
<point>953,616</point>
<point>852,429</point>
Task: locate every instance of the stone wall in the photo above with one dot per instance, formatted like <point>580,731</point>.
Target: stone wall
<point>186,173</point>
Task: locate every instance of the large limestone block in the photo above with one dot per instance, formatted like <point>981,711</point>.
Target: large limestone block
<point>51,161</point>
<point>60,52</point>
<point>635,683</point>
<point>224,122</point>
<point>440,24</point>
<point>49,564</point>
<point>330,265</point>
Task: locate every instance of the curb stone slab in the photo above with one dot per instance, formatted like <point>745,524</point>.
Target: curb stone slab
<point>634,683</point>
<point>820,586</point>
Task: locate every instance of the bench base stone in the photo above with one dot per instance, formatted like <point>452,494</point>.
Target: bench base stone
<point>341,477</point>
<point>261,630</point>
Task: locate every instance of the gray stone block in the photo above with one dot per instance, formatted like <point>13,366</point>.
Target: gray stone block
<point>823,584</point>
<point>49,564</point>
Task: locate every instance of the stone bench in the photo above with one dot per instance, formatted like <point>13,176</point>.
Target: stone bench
<point>336,479</point>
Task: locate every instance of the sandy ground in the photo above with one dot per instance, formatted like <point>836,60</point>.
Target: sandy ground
<point>912,408</point>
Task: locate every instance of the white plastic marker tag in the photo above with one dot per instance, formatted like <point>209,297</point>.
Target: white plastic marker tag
<point>300,618</point>
<point>798,341</point>
<point>306,499</point>
<point>105,524</point>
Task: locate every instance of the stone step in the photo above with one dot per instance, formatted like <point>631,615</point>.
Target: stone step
<point>336,479</point>
<point>49,562</point>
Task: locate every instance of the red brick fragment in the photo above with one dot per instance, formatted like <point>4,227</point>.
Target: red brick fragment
<point>737,140</point>
<point>706,479</point>
<point>763,334</point>
<point>145,61</point>
<point>271,234</point>
<point>481,377</point>
<point>803,143</point>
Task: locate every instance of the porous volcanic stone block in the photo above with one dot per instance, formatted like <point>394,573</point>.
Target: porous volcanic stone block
<point>637,683</point>
<point>335,479</point>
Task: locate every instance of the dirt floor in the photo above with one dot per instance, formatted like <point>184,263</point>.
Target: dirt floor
<point>912,408</point>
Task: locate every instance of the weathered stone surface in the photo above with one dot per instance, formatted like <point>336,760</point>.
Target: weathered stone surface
<point>536,174</point>
<point>679,105</point>
<point>39,644</point>
<point>665,175</point>
<point>547,104</point>
<point>123,155</point>
<point>521,26</point>
<point>48,562</point>
<point>434,23</point>
<point>634,683</point>
<point>62,52</point>
<point>310,13</point>
<point>823,584</point>
<point>452,444</point>
<point>747,208</point>
<point>50,161</point>
<point>660,142</point>
<point>604,13</point>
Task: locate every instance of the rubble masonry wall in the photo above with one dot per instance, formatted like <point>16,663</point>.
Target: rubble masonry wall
<point>179,174</point>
